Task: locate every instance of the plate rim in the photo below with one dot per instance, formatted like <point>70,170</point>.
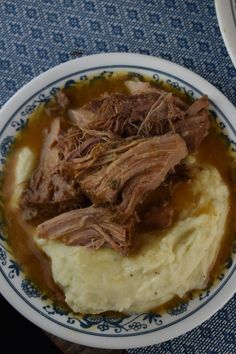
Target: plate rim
<point>139,340</point>
<point>227,22</point>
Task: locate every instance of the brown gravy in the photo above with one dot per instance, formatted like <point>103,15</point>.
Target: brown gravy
<point>35,263</point>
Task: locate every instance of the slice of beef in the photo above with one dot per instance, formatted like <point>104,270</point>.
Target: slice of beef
<point>95,104</point>
<point>69,141</point>
<point>89,140</point>
<point>49,154</point>
<point>90,227</point>
<point>137,170</point>
<point>49,193</point>
<point>149,111</point>
<point>197,106</point>
<point>172,151</point>
<point>118,113</point>
<point>169,113</point>
<point>193,129</point>
<point>76,143</point>
<point>180,103</point>
<point>195,125</point>
<point>99,155</point>
<point>159,119</point>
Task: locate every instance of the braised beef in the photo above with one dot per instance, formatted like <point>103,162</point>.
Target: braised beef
<point>122,114</point>
<point>48,192</point>
<point>158,217</point>
<point>171,150</point>
<point>90,227</point>
<point>193,129</point>
<point>76,142</point>
<point>117,150</point>
<point>137,169</point>
<point>197,106</point>
<point>169,113</point>
<point>148,112</point>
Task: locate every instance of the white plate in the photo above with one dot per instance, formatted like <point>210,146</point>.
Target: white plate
<point>226,14</point>
<point>107,332</point>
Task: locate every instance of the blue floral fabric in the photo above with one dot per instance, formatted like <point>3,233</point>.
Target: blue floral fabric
<point>39,34</point>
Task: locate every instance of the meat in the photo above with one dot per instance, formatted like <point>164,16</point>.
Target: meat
<point>170,113</point>
<point>148,111</point>
<point>118,113</point>
<point>159,119</point>
<point>90,227</point>
<point>48,192</point>
<point>159,217</point>
<point>117,150</point>
<point>196,124</point>
<point>193,129</point>
<point>49,154</point>
<point>171,150</point>
<point>136,171</point>
<point>197,106</point>
<point>77,143</point>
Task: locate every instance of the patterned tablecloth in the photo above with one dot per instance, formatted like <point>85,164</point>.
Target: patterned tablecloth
<point>37,35</point>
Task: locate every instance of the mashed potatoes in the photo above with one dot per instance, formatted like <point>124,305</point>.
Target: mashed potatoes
<point>167,264</point>
<point>25,162</point>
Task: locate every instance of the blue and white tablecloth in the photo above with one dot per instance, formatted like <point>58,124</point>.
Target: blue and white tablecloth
<point>38,34</point>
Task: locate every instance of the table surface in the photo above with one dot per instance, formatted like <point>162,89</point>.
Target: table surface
<point>38,34</point>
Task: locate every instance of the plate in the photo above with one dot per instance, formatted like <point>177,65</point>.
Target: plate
<point>109,331</point>
<point>226,14</point>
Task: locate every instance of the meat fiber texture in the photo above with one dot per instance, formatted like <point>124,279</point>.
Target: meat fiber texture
<point>49,193</point>
<point>171,263</point>
<point>120,149</point>
<point>140,167</point>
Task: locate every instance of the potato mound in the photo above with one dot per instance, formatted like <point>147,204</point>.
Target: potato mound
<point>167,263</point>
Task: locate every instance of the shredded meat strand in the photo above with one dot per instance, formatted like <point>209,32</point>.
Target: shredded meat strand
<point>49,193</point>
<point>136,171</point>
<point>91,227</point>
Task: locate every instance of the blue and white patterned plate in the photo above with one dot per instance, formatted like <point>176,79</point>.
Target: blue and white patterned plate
<point>226,15</point>
<point>104,331</point>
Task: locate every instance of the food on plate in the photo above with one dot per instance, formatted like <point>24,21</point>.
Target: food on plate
<point>170,263</point>
<point>114,192</point>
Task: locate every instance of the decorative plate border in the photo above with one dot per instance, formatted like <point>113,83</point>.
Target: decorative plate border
<point>119,326</point>
<point>226,15</point>
<point>233,8</point>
